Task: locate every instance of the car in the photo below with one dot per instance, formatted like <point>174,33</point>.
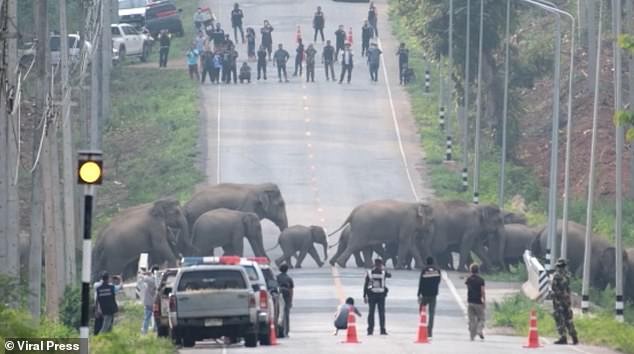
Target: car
<point>161,301</point>
<point>265,300</point>
<point>163,15</point>
<point>213,301</point>
<point>133,12</point>
<point>276,294</point>
<point>127,41</point>
<point>27,53</point>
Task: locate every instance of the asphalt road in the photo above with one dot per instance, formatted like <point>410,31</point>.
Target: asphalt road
<point>331,147</point>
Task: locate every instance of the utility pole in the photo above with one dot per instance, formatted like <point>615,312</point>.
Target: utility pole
<point>96,95</point>
<point>67,153</point>
<point>106,64</point>
<point>476,170</point>
<point>465,121</point>
<point>507,59</point>
<point>4,141</point>
<point>618,224</point>
<point>595,117</point>
<point>450,106</point>
<point>629,11</point>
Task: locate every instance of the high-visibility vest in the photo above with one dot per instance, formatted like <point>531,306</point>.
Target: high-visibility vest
<point>377,282</point>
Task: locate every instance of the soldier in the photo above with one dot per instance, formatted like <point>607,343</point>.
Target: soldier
<point>476,300</point>
<point>281,57</point>
<point>560,287</point>
<point>374,293</point>
<point>310,63</point>
<point>328,58</point>
<point>428,291</point>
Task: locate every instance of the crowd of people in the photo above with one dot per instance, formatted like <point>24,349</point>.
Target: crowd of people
<point>213,54</point>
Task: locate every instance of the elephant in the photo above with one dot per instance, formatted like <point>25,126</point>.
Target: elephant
<point>516,239</point>
<point>225,228</point>
<point>265,200</point>
<point>628,276</point>
<point>159,229</point>
<point>386,221</point>
<point>467,227</point>
<point>602,263</point>
<point>514,218</point>
<point>387,252</point>
<point>299,238</point>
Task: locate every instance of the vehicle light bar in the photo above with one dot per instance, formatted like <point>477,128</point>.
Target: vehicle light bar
<point>259,260</point>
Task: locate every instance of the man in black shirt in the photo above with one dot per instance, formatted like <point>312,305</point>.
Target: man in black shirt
<point>236,22</point>
<point>262,62</point>
<point>340,40</point>
<point>266,37</point>
<point>318,23</point>
<point>328,57</point>
<point>164,42</point>
<point>374,294</point>
<point>367,33</point>
<point>287,287</point>
<point>107,302</point>
<point>280,58</point>
<point>403,62</point>
<point>428,291</point>
<point>476,300</point>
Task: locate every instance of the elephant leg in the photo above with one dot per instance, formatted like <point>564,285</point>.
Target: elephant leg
<point>300,258</point>
<point>358,259</point>
<point>465,252</point>
<point>313,253</point>
<point>367,257</point>
<point>482,254</point>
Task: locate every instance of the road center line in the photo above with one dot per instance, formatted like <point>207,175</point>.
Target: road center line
<point>454,292</point>
<point>338,287</point>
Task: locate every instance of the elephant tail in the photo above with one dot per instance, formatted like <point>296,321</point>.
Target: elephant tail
<point>345,223</point>
<point>335,244</point>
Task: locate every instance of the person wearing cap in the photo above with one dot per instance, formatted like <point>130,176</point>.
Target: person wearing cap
<point>287,287</point>
<point>562,309</point>
<point>428,291</point>
<point>476,300</point>
<point>374,294</point>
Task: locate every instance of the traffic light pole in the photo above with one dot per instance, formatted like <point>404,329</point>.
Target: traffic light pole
<point>89,191</point>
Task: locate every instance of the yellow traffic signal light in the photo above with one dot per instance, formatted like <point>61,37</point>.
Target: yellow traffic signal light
<point>90,167</point>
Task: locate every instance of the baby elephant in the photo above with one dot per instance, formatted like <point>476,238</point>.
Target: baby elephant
<point>300,239</point>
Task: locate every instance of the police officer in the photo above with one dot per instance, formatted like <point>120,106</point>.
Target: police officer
<point>286,288</point>
<point>374,294</point>
<point>107,302</point>
<point>560,287</point>
<point>428,291</point>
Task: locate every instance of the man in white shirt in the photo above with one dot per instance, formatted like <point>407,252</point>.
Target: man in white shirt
<point>347,62</point>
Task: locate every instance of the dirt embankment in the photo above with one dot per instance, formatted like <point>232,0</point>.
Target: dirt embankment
<point>534,143</point>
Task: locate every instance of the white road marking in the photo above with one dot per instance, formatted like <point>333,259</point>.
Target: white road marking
<point>454,292</point>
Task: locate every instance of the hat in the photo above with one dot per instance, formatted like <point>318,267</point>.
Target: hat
<point>561,262</point>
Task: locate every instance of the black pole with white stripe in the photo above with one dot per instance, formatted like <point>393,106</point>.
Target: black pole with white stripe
<point>441,118</point>
<point>465,180</point>
<point>449,148</point>
<point>427,81</point>
<point>86,269</point>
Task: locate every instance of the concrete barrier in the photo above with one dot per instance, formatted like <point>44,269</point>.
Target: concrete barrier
<point>538,284</point>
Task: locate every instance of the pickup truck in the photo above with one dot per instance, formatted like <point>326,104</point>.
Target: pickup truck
<point>213,301</point>
<point>127,41</point>
<point>161,301</point>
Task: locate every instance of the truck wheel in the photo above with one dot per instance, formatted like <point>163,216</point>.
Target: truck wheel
<point>251,340</point>
<point>162,331</point>
<point>188,341</point>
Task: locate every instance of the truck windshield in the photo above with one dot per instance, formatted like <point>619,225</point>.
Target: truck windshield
<point>211,279</point>
<point>131,4</point>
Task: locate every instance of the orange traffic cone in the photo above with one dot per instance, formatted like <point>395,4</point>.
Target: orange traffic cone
<point>349,39</point>
<point>272,333</point>
<point>422,326</point>
<point>533,336</point>
<point>351,335</point>
<point>298,34</point>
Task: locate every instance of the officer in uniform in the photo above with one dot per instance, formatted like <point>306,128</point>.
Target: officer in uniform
<point>287,287</point>
<point>374,293</point>
<point>428,291</point>
<point>560,287</point>
<point>107,302</point>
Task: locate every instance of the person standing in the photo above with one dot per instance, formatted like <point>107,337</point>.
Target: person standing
<point>403,62</point>
<point>373,18</point>
<point>267,38</point>
<point>232,64</point>
<point>250,43</point>
<point>367,33</point>
<point>217,69</point>
<point>107,303</point>
<point>164,48</point>
<point>340,40</point>
<point>149,282</point>
<point>281,57</point>
<point>562,310</point>
<point>319,22</point>
<point>218,35</point>
<point>428,291</point>
<point>118,285</point>
<point>328,58</point>
<point>198,19</point>
<point>208,65</point>
<point>347,63</point>
<point>299,57</point>
<point>287,287</point>
<point>236,22</point>
<point>374,294</point>
<point>476,300</point>
<point>192,62</point>
<point>311,52</point>
<point>262,62</point>
<point>374,59</point>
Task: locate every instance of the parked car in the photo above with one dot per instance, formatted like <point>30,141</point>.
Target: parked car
<point>75,46</point>
<point>132,12</point>
<point>127,41</point>
<point>276,294</point>
<point>213,301</point>
<point>264,300</point>
<point>161,301</point>
<point>162,15</point>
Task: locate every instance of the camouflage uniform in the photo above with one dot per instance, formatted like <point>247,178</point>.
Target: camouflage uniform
<point>561,303</point>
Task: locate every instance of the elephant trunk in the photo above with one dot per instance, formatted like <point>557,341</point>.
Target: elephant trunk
<point>281,221</point>
<point>185,247</point>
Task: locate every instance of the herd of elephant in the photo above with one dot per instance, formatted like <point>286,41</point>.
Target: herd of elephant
<point>221,216</point>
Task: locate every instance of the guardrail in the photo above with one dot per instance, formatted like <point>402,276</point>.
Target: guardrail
<point>538,284</point>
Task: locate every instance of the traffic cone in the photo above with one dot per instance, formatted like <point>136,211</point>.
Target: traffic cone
<point>272,333</point>
<point>349,39</point>
<point>533,336</point>
<point>351,335</point>
<point>422,326</point>
<point>298,34</point>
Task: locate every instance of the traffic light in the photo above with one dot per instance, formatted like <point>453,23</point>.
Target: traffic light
<point>90,168</point>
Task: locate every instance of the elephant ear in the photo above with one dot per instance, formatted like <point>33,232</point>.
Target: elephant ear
<point>488,212</point>
<point>426,212</point>
<point>318,233</point>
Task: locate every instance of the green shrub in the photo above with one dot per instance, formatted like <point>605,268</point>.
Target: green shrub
<point>70,307</point>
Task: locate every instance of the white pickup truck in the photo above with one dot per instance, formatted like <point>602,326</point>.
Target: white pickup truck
<point>213,301</point>
<point>127,41</point>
